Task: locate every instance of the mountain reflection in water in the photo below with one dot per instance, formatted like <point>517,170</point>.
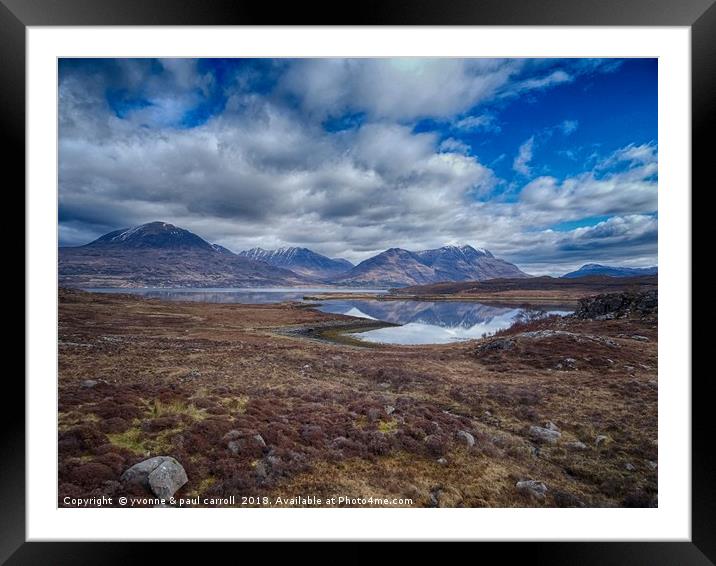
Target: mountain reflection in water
<point>424,322</point>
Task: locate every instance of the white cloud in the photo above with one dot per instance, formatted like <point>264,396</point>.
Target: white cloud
<point>408,88</point>
<point>452,145</point>
<point>482,122</point>
<point>521,164</point>
<point>569,126</point>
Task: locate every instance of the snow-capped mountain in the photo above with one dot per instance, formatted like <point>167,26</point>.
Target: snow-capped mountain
<point>159,254</point>
<point>399,267</point>
<point>465,263</point>
<point>300,260</point>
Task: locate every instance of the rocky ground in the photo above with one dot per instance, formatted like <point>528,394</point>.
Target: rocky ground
<point>554,412</point>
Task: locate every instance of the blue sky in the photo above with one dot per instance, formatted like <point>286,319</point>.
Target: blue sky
<point>548,163</point>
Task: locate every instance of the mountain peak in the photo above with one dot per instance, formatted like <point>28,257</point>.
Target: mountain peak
<point>153,235</point>
<point>300,260</point>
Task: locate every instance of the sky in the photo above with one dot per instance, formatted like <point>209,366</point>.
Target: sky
<point>548,163</point>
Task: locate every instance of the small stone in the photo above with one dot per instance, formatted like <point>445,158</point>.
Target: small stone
<point>389,409</point>
<point>549,425</point>
<point>601,439</point>
<point>442,461</point>
<point>232,435</point>
<point>534,488</point>
<point>651,464</point>
<point>629,467</point>
<point>88,383</point>
<point>640,338</point>
<point>467,437</point>
<point>577,445</point>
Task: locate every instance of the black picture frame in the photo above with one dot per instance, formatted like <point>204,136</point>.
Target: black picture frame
<point>699,15</point>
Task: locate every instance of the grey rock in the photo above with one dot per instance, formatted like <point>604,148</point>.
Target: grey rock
<point>232,435</point>
<point>534,488</point>
<point>545,434</point>
<point>498,344</point>
<point>389,409</point>
<point>652,465</point>
<point>549,425</point>
<point>640,338</point>
<point>577,445</point>
<point>259,440</point>
<point>617,305</point>
<point>468,438</point>
<point>241,442</point>
<point>163,475</point>
<point>601,439</point>
<point>88,383</point>
<point>442,461</point>
<point>567,364</point>
<point>629,467</point>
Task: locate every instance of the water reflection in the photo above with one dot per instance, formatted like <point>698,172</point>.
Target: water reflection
<point>235,295</point>
<point>436,322</point>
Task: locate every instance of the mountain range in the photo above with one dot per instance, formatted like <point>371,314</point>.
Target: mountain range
<point>301,260</point>
<point>611,271</point>
<point>399,267</point>
<point>159,254</point>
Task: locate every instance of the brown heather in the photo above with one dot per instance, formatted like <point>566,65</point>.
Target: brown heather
<point>337,419</point>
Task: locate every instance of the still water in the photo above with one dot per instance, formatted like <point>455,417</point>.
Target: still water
<point>250,295</point>
<point>425,322</point>
<point>421,322</point>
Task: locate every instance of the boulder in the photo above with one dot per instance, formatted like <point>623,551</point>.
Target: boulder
<point>617,305</point>
<point>466,437</point>
<point>245,443</point>
<point>545,434</point>
<point>163,475</point>
<point>534,488</point>
<point>498,344</point>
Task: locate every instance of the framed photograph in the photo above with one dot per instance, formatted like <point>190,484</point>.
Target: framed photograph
<point>420,276</point>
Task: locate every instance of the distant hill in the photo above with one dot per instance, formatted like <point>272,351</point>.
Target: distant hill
<point>159,254</point>
<point>544,286</point>
<point>610,271</point>
<point>302,261</point>
<point>399,267</point>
